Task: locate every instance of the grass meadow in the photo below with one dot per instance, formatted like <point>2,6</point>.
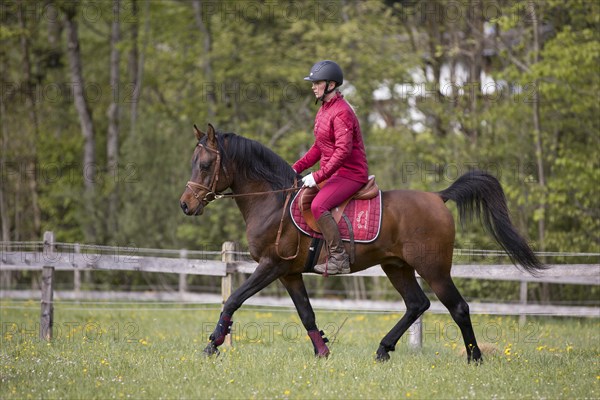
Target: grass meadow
<point>154,350</point>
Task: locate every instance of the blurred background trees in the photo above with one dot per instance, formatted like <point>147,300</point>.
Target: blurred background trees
<point>99,97</point>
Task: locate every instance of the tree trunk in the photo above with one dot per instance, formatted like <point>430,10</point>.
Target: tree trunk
<point>134,58</point>
<point>208,74</point>
<point>30,104</point>
<point>134,28</point>
<point>539,146</point>
<point>475,38</point>
<point>112,139</point>
<point>4,217</point>
<point>537,128</point>
<point>137,61</point>
<point>435,43</point>
<point>54,36</point>
<point>85,118</point>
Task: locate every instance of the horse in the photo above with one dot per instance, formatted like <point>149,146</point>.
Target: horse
<point>417,234</point>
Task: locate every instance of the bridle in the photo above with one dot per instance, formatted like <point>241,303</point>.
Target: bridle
<point>211,193</point>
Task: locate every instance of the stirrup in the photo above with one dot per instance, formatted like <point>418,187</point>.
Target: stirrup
<point>325,269</point>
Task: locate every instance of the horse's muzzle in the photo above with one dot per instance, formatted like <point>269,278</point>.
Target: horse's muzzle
<point>187,210</point>
<point>184,207</point>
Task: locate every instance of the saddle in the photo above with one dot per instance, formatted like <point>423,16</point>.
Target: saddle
<point>369,191</point>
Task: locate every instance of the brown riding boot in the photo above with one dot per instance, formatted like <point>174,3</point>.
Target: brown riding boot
<point>339,261</point>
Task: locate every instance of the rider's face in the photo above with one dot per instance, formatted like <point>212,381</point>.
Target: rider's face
<point>318,88</point>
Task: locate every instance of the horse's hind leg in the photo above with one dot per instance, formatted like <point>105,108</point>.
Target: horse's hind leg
<point>403,279</point>
<point>294,284</point>
<point>448,294</point>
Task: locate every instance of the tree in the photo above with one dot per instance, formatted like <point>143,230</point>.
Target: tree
<point>89,168</point>
<point>114,113</point>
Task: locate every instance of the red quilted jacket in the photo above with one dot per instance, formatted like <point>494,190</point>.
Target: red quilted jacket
<point>338,144</point>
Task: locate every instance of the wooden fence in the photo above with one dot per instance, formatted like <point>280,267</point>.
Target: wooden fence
<point>49,260</point>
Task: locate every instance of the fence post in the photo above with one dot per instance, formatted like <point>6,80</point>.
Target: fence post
<point>47,312</point>
<point>415,339</point>
<point>523,301</point>
<point>183,277</point>
<point>228,256</point>
<point>76,272</point>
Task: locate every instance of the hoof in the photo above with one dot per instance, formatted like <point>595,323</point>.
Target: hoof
<point>475,356</point>
<point>382,355</point>
<point>475,361</point>
<point>211,350</point>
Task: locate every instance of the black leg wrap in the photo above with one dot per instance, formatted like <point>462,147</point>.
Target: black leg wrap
<point>388,347</point>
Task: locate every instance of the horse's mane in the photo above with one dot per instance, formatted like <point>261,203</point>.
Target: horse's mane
<point>255,161</point>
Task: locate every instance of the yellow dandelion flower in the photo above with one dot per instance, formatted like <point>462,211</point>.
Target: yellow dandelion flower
<point>286,393</point>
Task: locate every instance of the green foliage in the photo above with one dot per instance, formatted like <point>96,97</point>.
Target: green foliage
<point>240,66</point>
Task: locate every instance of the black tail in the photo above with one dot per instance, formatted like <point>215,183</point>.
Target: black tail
<point>477,193</point>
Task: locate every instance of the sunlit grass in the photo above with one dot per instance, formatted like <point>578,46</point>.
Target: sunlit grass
<point>155,351</point>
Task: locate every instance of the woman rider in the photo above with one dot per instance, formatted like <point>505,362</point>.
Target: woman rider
<point>340,150</point>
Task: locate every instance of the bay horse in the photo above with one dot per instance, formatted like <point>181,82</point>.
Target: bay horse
<point>417,234</point>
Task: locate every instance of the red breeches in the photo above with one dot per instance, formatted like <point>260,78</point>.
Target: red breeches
<point>335,192</point>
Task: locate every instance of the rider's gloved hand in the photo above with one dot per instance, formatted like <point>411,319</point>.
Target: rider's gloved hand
<point>309,181</point>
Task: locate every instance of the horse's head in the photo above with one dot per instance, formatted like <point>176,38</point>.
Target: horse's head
<point>207,179</point>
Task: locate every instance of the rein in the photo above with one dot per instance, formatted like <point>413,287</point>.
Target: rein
<point>233,195</point>
<point>212,195</point>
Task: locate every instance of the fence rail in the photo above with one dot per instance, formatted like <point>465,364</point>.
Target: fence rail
<point>76,259</point>
<point>579,274</point>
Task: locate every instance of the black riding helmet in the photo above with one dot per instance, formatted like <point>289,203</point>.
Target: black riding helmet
<point>327,71</point>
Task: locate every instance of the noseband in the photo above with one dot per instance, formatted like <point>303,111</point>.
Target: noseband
<point>211,193</point>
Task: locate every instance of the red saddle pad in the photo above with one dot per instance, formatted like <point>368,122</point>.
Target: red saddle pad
<point>365,216</point>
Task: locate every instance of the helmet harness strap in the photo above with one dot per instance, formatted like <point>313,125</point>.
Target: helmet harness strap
<point>325,92</point>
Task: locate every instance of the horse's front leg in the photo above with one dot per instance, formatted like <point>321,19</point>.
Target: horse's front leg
<point>266,272</point>
<point>294,284</point>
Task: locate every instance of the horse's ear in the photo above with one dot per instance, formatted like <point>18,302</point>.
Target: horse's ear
<point>198,132</point>
<point>212,137</point>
